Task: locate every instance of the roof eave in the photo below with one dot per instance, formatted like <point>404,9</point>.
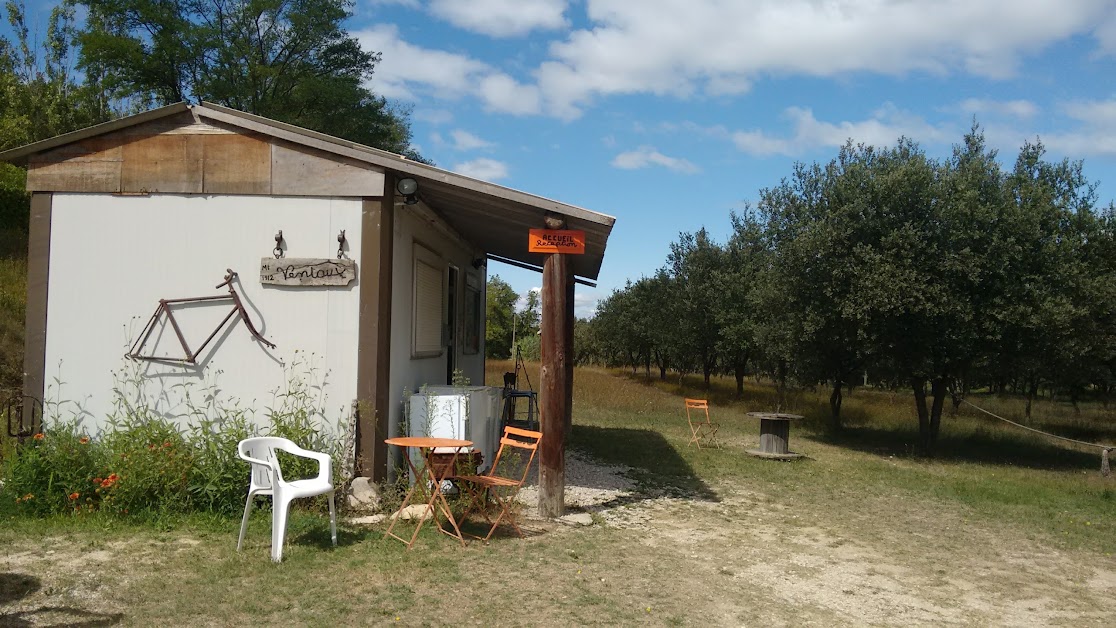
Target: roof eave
<point>398,163</point>
<point>20,155</point>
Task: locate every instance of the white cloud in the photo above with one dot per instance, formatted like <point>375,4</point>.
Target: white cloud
<point>585,302</point>
<point>1094,113</point>
<point>682,47</point>
<point>483,168</point>
<point>1095,134</point>
<point>646,156</point>
<point>501,92</point>
<point>885,126</point>
<point>412,72</point>
<point>1013,108</point>
<point>406,67</point>
<point>433,116</point>
<point>502,18</point>
<point>464,140</point>
<point>1106,35</point>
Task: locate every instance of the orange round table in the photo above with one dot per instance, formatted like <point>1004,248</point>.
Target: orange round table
<point>426,446</point>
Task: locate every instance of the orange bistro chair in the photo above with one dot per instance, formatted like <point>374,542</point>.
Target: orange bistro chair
<point>500,488</point>
<point>700,428</point>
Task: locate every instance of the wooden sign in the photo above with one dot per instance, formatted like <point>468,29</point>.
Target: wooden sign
<point>307,271</point>
<point>565,241</point>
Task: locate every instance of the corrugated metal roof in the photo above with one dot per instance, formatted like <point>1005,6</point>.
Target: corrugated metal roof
<point>494,218</point>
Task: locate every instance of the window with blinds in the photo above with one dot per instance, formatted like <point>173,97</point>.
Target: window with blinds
<point>429,304</point>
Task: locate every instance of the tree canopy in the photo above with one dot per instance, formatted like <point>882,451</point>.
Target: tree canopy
<point>291,61</point>
<point>889,266</point>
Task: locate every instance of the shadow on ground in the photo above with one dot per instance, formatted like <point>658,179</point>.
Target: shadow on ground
<point>979,447</point>
<point>656,465</point>
<point>16,586</point>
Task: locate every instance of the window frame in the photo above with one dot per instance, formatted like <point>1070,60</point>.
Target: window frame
<point>425,257</point>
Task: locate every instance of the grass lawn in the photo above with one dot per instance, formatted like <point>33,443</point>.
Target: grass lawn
<point>1002,528</point>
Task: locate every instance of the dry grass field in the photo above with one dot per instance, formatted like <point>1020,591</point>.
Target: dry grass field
<point>1001,529</point>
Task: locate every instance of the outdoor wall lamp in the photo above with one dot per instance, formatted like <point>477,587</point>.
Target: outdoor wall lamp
<point>409,189</point>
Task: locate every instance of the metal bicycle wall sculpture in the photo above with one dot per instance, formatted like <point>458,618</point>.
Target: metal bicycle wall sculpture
<point>164,308</point>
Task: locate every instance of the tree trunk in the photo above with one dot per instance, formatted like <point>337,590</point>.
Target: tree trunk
<point>1032,390</point>
<point>662,372</point>
<point>919,388</point>
<point>939,389</point>
<point>835,400</point>
<point>957,391</point>
<point>739,372</point>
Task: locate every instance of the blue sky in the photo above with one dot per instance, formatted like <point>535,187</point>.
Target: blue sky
<point>670,114</point>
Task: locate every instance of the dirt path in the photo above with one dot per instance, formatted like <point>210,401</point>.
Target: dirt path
<point>746,560</point>
<point>740,559</point>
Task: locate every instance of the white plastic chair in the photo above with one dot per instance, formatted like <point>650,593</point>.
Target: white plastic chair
<point>267,479</point>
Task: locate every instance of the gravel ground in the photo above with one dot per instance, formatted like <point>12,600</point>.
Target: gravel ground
<point>600,489</point>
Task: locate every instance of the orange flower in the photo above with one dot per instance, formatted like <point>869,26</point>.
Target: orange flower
<point>39,436</point>
<point>113,477</point>
<point>84,440</point>
<point>96,480</point>
<point>167,444</point>
<point>75,495</point>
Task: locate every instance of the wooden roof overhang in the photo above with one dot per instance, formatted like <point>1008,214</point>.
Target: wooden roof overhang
<point>493,218</point>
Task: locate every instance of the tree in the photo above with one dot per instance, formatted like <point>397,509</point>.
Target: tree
<point>500,302</point>
<point>818,222</point>
<point>38,96</point>
<point>617,328</point>
<point>290,61</point>
<point>693,264</point>
<point>1054,319</point>
<point>745,260</point>
<point>38,99</point>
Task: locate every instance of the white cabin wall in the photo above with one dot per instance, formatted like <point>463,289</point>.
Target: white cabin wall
<point>113,257</point>
<point>410,373</point>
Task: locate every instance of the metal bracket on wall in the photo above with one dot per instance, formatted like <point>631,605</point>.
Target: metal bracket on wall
<point>164,309</point>
<point>16,408</point>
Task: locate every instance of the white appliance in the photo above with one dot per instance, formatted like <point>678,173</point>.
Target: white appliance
<point>462,412</point>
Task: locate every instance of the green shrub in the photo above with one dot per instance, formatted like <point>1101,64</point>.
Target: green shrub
<point>53,472</point>
<point>153,462</point>
<point>217,481</point>
<point>143,464</point>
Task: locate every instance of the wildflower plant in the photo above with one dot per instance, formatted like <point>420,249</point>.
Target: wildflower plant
<point>51,472</point>
<point>151,460</point>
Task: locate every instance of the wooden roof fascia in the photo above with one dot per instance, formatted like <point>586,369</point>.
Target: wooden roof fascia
<point>20,155</point>
<point>391,161</point>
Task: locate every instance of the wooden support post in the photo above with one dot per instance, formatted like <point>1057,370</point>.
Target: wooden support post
<point>556,386</point>
<point>38,269</point>
<point>374,344</point>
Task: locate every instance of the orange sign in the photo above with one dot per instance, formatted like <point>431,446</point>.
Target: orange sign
<point>557,241</point>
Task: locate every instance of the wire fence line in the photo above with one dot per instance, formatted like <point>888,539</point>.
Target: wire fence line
<point>1105,449</point>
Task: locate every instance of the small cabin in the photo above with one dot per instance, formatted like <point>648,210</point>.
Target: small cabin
<point>196,250</point>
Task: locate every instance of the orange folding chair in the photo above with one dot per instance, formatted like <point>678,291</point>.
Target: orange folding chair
<point>699,428</point>
<point>501,489</point>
